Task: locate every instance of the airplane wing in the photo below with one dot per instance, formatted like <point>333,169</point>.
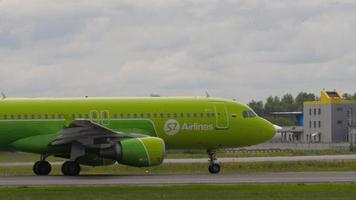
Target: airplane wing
<point>90,135</point>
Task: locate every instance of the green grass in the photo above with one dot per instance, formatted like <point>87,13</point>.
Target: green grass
<point>227,168</point>
<point>271,153</point>
<point>246,192</point>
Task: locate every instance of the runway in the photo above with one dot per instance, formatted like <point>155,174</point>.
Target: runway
<point>149,180</point>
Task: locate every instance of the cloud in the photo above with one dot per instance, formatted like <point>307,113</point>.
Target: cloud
<point>243,49</point>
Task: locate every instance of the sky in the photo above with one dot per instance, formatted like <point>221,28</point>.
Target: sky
<point>241,49</point>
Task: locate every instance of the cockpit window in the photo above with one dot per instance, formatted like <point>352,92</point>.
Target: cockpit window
<point>249,114</point>
<point>245,114</point>
<point>252,114</point>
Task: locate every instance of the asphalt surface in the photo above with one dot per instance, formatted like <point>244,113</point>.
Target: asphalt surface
<point>226,160</point>
<point>256,178</point>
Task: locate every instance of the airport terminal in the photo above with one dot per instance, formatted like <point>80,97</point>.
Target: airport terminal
<point>328,123</point>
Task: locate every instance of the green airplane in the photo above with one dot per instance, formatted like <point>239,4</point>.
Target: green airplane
<point>130,131</point>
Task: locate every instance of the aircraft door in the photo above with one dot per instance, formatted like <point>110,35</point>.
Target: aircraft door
<point>221,115</point>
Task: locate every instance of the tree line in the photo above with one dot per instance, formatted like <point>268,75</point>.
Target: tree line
<point>286,103</point>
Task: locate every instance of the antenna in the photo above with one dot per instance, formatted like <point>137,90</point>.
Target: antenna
<point>3,95</point>
<point>207,94</point>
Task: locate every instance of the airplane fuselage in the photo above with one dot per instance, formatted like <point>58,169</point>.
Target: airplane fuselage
<point>182,122</point>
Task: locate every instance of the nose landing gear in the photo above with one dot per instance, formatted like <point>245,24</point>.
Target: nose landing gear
<point>214,168</point>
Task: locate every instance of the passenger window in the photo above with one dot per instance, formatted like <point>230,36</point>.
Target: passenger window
<point>86,116</point>
<point>135,115</point>
<point>168,115</point>
<point>128,116</point>
<point>162,115</point>
<point>121,115</point>
<point>148,115</point>
<point>182,115</point>
<point>73,116</point>
<point>18,116</point>
<point>46,116</point>
<point>25,116</point>
<point>195,115</point>
<point>201,115</point>
<point>175,115</point>
<point>39,116</point>
<point>32,116</point>
<point>245,114</point>
<point>5,116</point>
<point>155,115</point>
<point>142,115</point>
<point>188,115</point>
<point>80,116</point>
<point>207,115</point>
<point>212,114</point>
<point>53,116</point>
<point>115,115</point>
<point>59,116</point>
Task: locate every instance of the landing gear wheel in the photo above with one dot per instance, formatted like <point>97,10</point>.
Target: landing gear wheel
<point>214,168</point>
<point>70,168</point>
<point>42,168</point>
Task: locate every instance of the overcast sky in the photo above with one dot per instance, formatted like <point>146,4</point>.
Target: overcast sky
<point>243,49</point>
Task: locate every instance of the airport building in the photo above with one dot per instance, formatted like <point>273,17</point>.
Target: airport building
<point>332,119</point>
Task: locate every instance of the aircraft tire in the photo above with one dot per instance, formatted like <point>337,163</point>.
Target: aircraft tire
<point>214,168</point>
<point>42,168</point>
<point>70,168</point>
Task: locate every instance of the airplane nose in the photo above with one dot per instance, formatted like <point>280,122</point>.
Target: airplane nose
<point>271,130</point>
<point>277,135</point>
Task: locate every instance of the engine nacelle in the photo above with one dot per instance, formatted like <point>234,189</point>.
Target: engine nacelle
<point>138,152</point>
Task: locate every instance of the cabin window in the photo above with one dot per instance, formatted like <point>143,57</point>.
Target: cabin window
<point>18,116</point>
<point>148,115</point>
<point>53,116</point>
<point>115,115</point>
<point>59,116</point>
<point>155,115</point>
<point>142,115</point>
<point>121,115</point>
<point>46,116</point>
<point>168,115</point>
<point>212,114</point>
<point>208,115</point>
<point>162,115</point>
<point>128,116</point>
<point>32,116</point>
<point>188,115</point>
<point>25,116</point>
<point>195,115</point>
<point>86,116</point>
<point>39,116</point>
<point>182,115</point>
<point>135,115</point>
<point>73,115</point>
<point>175,115</point>
<point>5,116</point>
<point>80,116</point>
<point>201,115</point>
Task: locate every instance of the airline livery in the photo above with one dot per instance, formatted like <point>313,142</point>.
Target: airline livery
<point>131,131</point>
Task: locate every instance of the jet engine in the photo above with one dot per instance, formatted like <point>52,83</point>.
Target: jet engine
<point>138,152</point>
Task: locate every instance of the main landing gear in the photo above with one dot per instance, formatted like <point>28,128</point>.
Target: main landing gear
<point>71,168</point>
<point>214,167</point>
<point>42,167</point>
